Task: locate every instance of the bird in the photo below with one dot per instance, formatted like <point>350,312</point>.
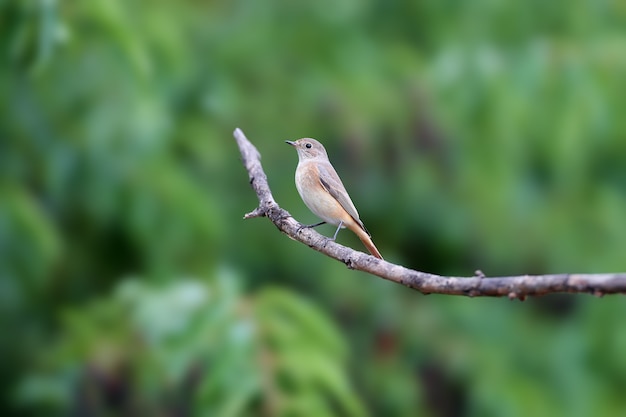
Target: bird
<point>324,194</point>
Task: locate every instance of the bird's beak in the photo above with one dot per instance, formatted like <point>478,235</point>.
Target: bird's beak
<point>290,143</point>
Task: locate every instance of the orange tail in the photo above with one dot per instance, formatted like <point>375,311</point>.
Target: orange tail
<point>367,241</point>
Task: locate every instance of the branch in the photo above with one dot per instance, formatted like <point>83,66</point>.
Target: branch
<point>479,285</point>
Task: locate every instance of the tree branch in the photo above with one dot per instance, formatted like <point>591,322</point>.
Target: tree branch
<point>479,285</point>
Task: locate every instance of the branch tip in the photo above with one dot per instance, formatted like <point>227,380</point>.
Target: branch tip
<point>257,212</point>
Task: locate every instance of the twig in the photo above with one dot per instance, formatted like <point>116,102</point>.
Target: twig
<point>514,287</point>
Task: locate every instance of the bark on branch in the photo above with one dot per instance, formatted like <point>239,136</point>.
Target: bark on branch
<point>513,287</point>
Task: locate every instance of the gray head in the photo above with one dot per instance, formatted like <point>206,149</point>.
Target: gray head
<point>309,149</point>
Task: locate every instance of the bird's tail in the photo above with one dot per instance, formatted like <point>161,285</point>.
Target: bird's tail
<point>367,241</point>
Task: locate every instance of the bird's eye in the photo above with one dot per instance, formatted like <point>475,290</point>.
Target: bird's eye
<point>308,145</point>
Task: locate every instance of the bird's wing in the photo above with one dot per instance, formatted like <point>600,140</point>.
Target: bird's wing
<point>332,183</point>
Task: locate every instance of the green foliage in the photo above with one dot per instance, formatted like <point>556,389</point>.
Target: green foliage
<point>478,135</point>
<point>193,347</point>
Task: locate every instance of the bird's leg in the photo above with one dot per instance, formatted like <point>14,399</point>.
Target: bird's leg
<point>337,231</point>
<point>309,226</point>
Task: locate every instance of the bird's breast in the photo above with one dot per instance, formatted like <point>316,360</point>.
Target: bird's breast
<point>315,196</point>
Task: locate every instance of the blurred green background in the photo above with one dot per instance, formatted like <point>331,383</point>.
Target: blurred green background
<point>471,135</point>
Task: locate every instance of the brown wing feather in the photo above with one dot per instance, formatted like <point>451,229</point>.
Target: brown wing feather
<point>332,183</point>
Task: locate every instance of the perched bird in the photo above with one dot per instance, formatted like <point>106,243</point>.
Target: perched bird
<point>323,192</point>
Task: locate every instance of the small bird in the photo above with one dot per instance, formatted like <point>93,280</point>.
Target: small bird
<point>323,192</point>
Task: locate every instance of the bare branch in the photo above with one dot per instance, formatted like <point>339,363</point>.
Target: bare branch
<point>513,287</point>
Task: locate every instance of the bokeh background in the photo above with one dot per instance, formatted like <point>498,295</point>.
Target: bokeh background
<point>471,135</point>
